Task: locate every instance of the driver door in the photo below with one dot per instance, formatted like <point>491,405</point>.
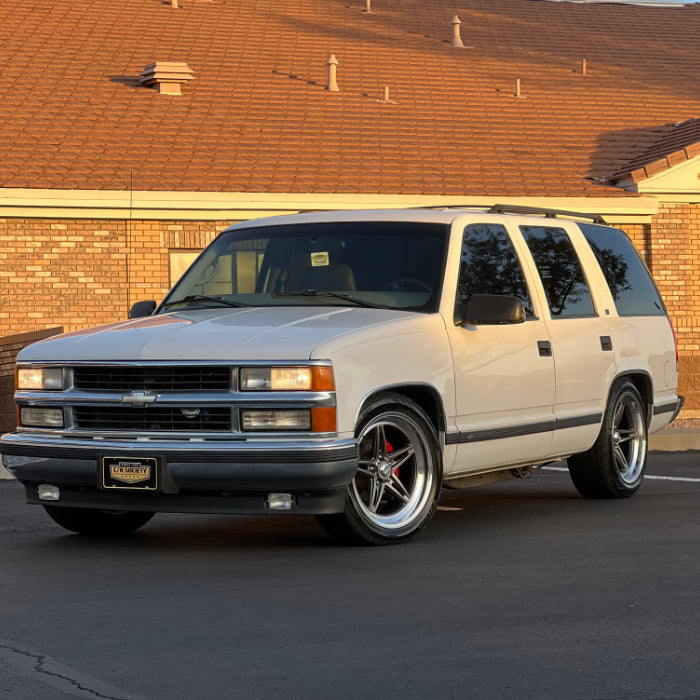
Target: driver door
<point>504,374</point>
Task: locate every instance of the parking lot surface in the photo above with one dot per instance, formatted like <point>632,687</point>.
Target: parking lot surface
<point>521,589</point>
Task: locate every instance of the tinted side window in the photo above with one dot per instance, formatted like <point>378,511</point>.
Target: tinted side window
<point>630,283</point>
<point>489,265</point>
<point>560,270</point>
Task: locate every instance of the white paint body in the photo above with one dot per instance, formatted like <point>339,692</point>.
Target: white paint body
<point>487,378</point>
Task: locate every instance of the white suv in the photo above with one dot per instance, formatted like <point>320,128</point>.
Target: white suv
<point>349,365</point>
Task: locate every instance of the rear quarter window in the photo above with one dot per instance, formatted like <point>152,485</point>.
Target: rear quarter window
<point>630,283</point>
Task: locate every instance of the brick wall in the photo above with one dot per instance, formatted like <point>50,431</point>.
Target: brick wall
<point>80,273</point>
<point>675,253</point>
<point>9,347</point>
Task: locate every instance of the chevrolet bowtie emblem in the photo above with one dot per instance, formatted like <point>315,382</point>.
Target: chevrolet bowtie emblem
<point>139,398</point>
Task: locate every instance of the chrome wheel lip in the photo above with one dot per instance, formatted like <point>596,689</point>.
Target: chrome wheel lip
<point>414,455</point>
<point>629,438</point>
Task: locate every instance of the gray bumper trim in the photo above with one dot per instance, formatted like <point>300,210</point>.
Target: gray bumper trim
<point>238,466</point>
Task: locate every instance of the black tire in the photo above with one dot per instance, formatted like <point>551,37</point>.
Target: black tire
<point>614,466</point>
<point>98,523</point>
<point>396,489</point>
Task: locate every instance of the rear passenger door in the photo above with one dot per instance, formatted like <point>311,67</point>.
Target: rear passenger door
<point>504,374</point>
<point>582,349</point>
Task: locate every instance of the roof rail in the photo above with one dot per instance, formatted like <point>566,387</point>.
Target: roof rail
<point>542,211</point>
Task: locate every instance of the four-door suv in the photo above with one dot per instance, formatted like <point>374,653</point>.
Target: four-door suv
<point>349,365</point>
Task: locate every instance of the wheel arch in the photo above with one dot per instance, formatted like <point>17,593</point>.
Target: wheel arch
<point>643,382</point>
<point>425,395</point>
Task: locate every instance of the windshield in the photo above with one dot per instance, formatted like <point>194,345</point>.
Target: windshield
<point>384,264</point>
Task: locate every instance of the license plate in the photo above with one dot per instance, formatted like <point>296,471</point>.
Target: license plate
<point>133,473</point>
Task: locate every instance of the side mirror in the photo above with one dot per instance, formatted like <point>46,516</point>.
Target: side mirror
<point>493,310</point>
<point>142,308</point>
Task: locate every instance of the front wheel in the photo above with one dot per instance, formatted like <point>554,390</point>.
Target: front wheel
<point>396,489</point>
<point>98,523</point>
<point>614,466</point>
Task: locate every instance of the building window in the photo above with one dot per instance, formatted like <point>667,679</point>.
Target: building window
<point>180,260</point>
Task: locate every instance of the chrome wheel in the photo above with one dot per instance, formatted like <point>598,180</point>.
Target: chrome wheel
<point>396,471</point>
<point>397,485</point>
<point>614,466</point>
<point>629,439</point>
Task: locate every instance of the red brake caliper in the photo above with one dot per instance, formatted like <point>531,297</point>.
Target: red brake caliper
<point>389,450</point>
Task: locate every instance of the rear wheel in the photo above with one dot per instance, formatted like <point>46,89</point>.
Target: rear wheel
<point>614,466</point>
<point>98,523</point>
<point>396,489</point>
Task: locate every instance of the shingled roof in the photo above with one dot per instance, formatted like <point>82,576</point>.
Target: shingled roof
<point>676,143</point>
<point>257,117</point>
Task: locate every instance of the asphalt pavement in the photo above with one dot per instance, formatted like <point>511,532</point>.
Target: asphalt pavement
<point>521,590</point>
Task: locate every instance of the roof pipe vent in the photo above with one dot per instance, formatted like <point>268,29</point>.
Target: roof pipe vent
<point>166,77</point>
<point>368,8</point>
<point>456,35</point>
<point>385,99</point>
<point>332,64</point>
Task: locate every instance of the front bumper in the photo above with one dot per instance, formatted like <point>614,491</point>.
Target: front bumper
<point>202,477</point>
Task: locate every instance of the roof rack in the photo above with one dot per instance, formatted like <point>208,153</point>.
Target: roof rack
<point>517,209</point>
<point>542,211</point>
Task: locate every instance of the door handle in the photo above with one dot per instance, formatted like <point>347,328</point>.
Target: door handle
<point>545,348</point>
<point>606,343</point>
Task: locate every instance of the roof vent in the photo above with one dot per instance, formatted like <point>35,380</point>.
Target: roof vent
<point>385,100</point>
<point>456,33</point>
<point>332,83</point>
<point>166,77</point>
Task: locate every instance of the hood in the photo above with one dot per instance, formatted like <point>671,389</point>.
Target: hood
<point>256,333</point>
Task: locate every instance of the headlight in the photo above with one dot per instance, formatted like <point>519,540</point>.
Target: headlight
<point>287,379</point>
<point>41,417</point>
<point>40,378</point>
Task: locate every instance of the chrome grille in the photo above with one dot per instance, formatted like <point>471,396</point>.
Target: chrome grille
<point>157,378</point>
<point>152,419</point>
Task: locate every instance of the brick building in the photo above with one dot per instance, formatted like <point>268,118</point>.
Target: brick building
<point>109,183</point>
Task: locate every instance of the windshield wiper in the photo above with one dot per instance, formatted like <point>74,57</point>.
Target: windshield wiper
<point>202,297</point>
<point>335,295</point>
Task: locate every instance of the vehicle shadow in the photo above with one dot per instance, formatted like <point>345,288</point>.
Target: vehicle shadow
<point>461,514</point>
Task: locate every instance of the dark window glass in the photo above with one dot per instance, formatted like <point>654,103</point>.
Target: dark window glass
<point>630,283</point>
<point>560,271</point>
<point>393,264</point>
<point>489,265</point>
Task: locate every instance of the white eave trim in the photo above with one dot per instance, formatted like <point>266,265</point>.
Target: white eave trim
<point>242,206</point>
<point>677,184</point>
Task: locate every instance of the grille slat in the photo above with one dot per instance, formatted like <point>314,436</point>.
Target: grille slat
<point>152,419</point>
<point>127,379</point>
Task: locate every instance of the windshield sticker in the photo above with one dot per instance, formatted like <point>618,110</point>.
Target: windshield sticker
<point>320,260</point>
